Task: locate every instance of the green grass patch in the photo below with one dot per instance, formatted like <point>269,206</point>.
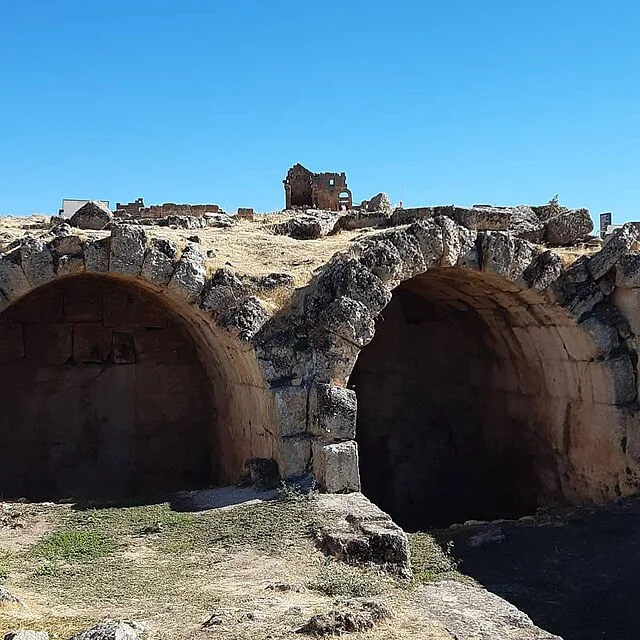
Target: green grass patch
<point>338,579</point>
<point>73,545</point>
<point>430,561</point>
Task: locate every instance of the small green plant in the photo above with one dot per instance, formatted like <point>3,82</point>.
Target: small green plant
<point>79,545</point>
<point>337,579</point>
<point>430,561</point>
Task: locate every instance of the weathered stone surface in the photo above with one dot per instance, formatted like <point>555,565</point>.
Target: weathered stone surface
<point>70,265</point>
<point>470,612</point>
<point>332,412</point>
<point>67,243</point>
<point>335,466</point>
<point>623,379</point>
<point>273,281</point>
<point>482,218</point>
<point>568,228</point>
<point>350,617</point>
<point>430,240</point>
<point>384,261</point>
<point>618,244</point>
<point>13,281</point>
<point>96,255</point>
<point>505,255</point>
<point>6,597</point>
<point>468,257</point>
<point>361,220</point>
<point>307,226</point>
<point>245,319</point>
<point>578,298</point>
<point>450,241</point>
<point>526,225</point>
<point>350,278</point>
<point>628,271</point>
<point>128,245</point>
<point>291,405</point>
<point>223,291</point>
<point>604,337</point>
<point>110,630</point>
<point>405,216</point>
<point>37,261</point>
<point>296,455</point>
<point>543,271</point>
<point>360,533</point>
<point>218,220</point>
<point>347,319</point>
<point>26,634</point>
<point>92,215</point>
<point>189,275</point>
<point>159,260</point>
<point>379,202</point>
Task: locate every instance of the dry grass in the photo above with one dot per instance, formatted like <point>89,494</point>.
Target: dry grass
<point>174,571</point>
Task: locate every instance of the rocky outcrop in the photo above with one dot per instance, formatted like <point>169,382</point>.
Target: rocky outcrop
<point>307,226</point>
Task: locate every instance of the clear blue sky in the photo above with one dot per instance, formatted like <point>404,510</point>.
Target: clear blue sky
<point>457,101</point>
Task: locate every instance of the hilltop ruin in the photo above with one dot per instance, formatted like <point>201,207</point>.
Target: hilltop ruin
<point>446,360</point>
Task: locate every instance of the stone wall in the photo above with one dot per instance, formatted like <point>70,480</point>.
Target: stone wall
<point>138,210</point>
<point>118,402</point>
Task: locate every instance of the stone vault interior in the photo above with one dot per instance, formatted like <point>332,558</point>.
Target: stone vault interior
<point>110,390</point>
<point>469,404</point>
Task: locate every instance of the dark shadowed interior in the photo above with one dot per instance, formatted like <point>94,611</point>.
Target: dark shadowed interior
<point>103,394</point>
<point>459,413</point>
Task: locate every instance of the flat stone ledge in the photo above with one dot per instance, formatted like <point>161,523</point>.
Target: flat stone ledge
<point>361,533</point>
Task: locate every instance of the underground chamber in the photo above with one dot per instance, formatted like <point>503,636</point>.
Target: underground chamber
<point>110,390</point>
<point>467,400</point>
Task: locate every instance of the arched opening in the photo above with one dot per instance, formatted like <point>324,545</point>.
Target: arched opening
<point>110,389</point>
<point>467,401</point>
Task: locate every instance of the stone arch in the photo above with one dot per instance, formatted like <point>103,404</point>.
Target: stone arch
<point>204,309</point>
<point>561,325</point>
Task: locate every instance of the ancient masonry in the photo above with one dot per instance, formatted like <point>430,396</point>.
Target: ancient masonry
<point>446,361</point>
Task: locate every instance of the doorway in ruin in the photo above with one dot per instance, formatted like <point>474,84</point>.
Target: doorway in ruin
<point>458,412</point>
<point>104,393</point>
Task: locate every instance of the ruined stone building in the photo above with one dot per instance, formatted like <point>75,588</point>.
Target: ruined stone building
<point>447,363</point>
<point>137,209</point>
<point>327,191</point>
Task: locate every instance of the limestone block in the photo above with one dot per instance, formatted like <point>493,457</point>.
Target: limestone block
<point>37,261</point>
<point>336,466</point>
<point>70,265</point>
<point>92,215</point>
<point>91,342</point>
<point>48,343</point>
<point>96,255</point>
<point>628,271</point>
<point>383,260</point>
<point>408,247</point>
<point>618,244</point>
<point>450,241</point>
<point>603,336</point>
<point>223,291</point>
<point>332,412</point>
<point>128,245</point>
<point>190,274</point>
<point>526,225</point>
<point>482,218</point>
<point>13,281</point>
<point>613,380</point>
<point>430,240</point>
<point>246,319</point>
<point>26,634</point>
<point>158,263</point>
<point>291,406</point>
<point>68,244</point>
<point>568,228</point>
<point>578,298</point>
<point>468,257</point>
<point>296,455</point>
<point>405,216</point>
<point>110,630</point>
<point>543,271</point>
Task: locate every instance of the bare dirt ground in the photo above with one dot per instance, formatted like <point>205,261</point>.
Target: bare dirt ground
<point>575,572</point>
